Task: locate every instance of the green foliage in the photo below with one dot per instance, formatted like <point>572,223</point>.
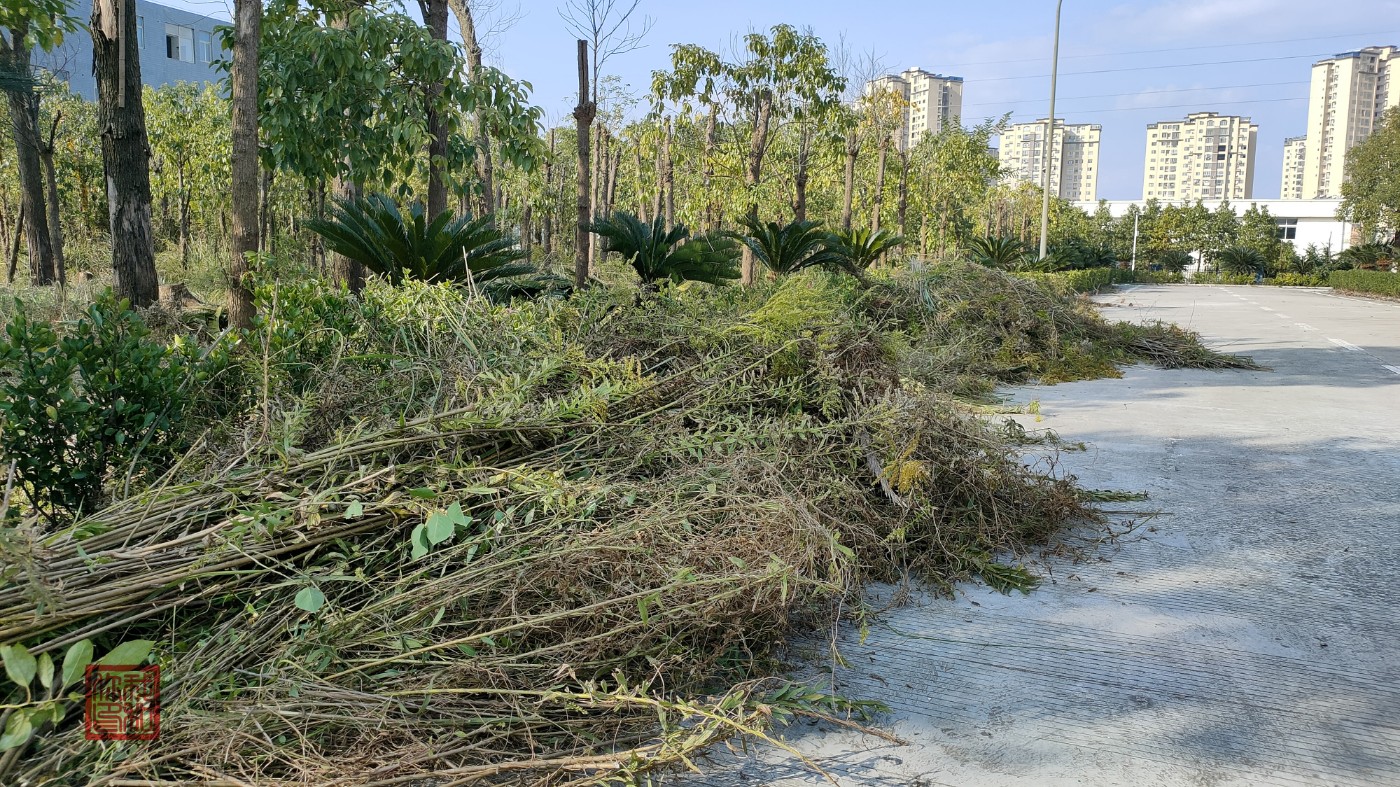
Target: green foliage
<point>1369,257</point>
<point>1223,278</point>
<point>356,109</point>
<point>1371,190</point>
<point>1368,282</point>
<point>1003,252</point>
<point>861,247</point>
<point>1287,279</point>
<point>1173,260</point>
<point>1242,261</point>
<point>789,248</point>
<point>372,231</point>
<point>77,407</point>
<point>41,23</point>
<point>658,254</point>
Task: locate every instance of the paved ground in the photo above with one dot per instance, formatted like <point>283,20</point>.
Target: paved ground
<point>1247,635</point>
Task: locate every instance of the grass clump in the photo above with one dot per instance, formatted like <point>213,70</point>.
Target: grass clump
<point>445,540</point>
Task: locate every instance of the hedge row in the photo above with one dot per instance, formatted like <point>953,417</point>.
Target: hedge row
<point>1369,282</point>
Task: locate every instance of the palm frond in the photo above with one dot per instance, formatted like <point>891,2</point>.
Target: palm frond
<point>789,248</point>
<point>658,254</point>
<point>860,247</point>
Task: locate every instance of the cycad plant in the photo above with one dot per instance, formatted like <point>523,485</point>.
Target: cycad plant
<point>374,232</point>
<point>1002,252</point>
<point>1174,260</point>
<point>789,248</point>
<point>1241,260</point>
<point>658,254</point>
<point>860,247</point>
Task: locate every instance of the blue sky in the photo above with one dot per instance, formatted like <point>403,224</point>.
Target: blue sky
<point>1122,65</point>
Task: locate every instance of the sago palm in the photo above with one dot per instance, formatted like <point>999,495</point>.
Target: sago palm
<point>789,248</point>
<point>1002,252</point>
<point>374,232</point>
<point>658,254</point>
<point>860,247</point>
<point>1174,260</point>
<point>1241,260</point>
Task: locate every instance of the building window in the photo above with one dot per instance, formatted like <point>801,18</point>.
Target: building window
<point>206,47</point>
<point>179,43</point>
<point>1287,229</point>
<point>140,32</point>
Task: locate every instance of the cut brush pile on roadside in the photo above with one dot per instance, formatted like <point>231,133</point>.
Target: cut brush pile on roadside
<point>445,542</point>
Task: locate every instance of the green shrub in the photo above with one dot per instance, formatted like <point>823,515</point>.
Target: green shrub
<point>1222,278</point>
<point>1298,280</point>
<point>1370,282</point>
<point>1158,277</point>
<point>73,408</point>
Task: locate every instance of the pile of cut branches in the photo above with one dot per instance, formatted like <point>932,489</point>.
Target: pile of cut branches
<point>549,543</point>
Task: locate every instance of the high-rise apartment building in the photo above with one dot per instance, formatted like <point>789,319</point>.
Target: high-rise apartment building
<point>1205,156</point>
<point>1293,149</point>
<point>1349,94</point>
<point>1074,157</point>
<point>931,101</point>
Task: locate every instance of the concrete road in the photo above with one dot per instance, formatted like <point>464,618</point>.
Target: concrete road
<point>1248,633</point>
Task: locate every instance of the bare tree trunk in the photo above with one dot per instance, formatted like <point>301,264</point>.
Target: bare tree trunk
<point>583,118</point>
<point>758,145</point>
<point>711,211</point>
<point>485,168</point>
<point>879,189</point>
<point>669,184</point>
<point>184,222</point>
<point>849,192</point>
<point>345,271</point>
<point>903,191</point>
<point>641,183</point>
<point>804,152</point>
<point>526,239</point>
<point>24,119</point>
<point>14,247</point>
<point>247,27</point>
<point>121,118</point>
<point>547,226</point>
<point>435,17</point>
<point>614,157</point>
<point>51,198</point>
<point>659,194</point>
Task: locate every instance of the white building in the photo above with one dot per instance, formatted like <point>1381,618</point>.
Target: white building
<point>1206,156</point>
<point>1349,94</point>
<point>1307,222</point>
<point>1293,150</point>
<point>931,102</point>
<point>1074,157</point>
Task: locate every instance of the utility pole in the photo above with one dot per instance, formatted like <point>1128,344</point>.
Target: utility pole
<point>1050,137</point>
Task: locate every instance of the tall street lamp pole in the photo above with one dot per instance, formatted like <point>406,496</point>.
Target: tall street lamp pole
<point>1050,138</point>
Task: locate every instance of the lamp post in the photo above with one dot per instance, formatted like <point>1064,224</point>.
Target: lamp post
<point>1050,137</point>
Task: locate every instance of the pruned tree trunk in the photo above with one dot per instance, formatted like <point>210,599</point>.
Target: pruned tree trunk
<point>711,210</point>
<point>879,189</point>
<point>247,28</point>
<point>669,183</point>
<point>614,156</point>
<point>849,191</point>
<point>753,172</point>
<point>121,119</point>
<point>583,119</point>
<point>24,119</point>
<point>51,198</point>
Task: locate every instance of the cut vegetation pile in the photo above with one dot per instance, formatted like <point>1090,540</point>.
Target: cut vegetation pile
<point>446,542</point>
